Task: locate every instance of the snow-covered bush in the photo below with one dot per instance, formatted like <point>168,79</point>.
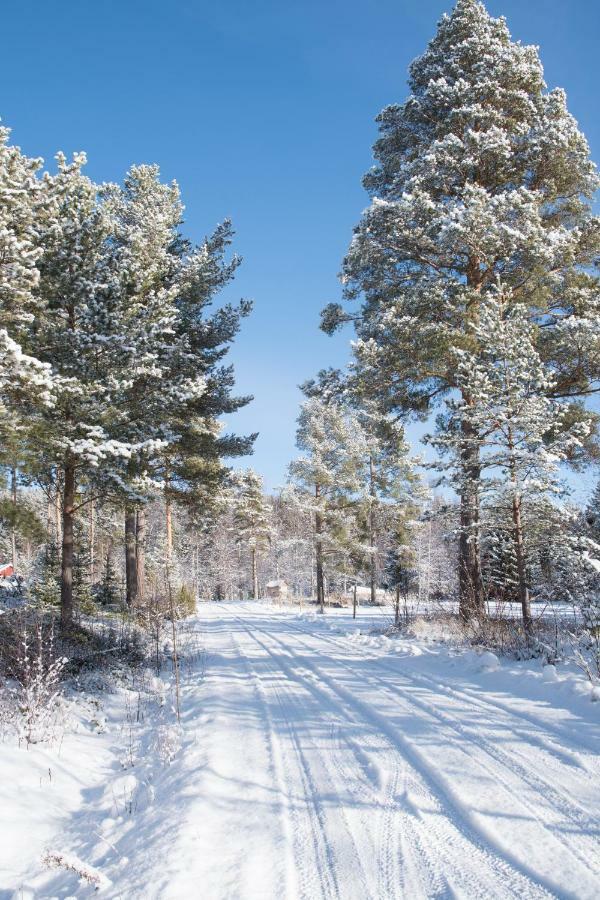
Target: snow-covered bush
<point>166,742</point>
<point>87,874</point>
<point>32,697</point>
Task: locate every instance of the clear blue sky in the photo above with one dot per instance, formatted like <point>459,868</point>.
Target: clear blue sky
<point>263,111</point>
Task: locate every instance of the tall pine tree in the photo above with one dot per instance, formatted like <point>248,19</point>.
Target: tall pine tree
<point>251,519</point>
<point>482,179</point>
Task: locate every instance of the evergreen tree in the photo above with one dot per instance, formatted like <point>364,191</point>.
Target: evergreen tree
<point>194,471</point>
<point>108,592</point>
<point>482,179</point>
<point>144,216</point>
<point>21,206</point>
<point>80,332</point>
<point>251,519</point>
<point>388,474</point>
<point>326,478</point>
<point>400,562</point>
<point>46,576</point>
<point>25,383</point>
<point>520,434</point>
<point>177,389</point>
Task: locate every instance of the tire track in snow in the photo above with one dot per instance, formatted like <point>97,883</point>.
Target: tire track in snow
<point>324,881</point>
<point>577,813</point>
<point>508,877</point>
<point>278,665</point>
<point>277,767</point>
<point>561,733</point>
<point>582,858</point>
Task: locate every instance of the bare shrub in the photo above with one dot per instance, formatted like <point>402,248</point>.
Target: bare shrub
<point>54,859</point>
<point>32,696</point>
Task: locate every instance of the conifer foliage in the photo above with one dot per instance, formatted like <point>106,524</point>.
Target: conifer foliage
<point>481,193</point>
<point>251,519</point>
<point>111,374</point>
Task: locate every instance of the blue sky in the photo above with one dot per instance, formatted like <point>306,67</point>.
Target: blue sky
<point>263,111</point>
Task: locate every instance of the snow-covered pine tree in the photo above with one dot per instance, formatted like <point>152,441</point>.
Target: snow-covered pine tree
<point>326,478</point>
<point>144,216</point>
<point>176,388</point>
<point>251,519</point>
<point>520,433</point>
<point>291,550</point>
<point>400,563</point>
<point>592,513</point>
<point>21,204</point>
<point>388,474</point>
<point>194,468</point>
<point>81,332</point>
<point>25,383</point>
<point>482,176</point>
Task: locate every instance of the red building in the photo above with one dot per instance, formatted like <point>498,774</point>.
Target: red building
<point>6,570</point>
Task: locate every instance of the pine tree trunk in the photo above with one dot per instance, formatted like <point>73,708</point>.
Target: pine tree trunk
<point>68,517</point>
<point>519,543</point>
<point>254,575</point>
<point>373,561</point>
<point>471,598</point>
<point>91,542</point>
<point>13,532</point>
<point>140,554</point>
<point>130,558</point>
<point>471,593</point>
<point>169,528</point>
<point>397,606</point>
<point>319,555</point>
<point>57,509</point>
<point>521,566</point>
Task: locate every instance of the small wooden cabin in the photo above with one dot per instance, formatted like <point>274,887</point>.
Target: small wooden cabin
<point>6,570</point>
<point>276,590</point>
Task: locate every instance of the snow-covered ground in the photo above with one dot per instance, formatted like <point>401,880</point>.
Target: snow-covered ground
<point>316,760</point>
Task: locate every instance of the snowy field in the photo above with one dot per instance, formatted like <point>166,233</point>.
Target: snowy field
<point>314,761</point>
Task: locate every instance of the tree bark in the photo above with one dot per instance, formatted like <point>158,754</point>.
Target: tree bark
<point>131,586</point>
<point>13,531</point>
<point>372,561</point>
<point>91,541</point>
<point>519,543</point>
<point>169,528</point>
<point>521,566</point>
<point>319,554</point>
<point>254,575</point>
<point>57,509</point>
<point>68,517</point>
<point>140,554</point>
<point>472,598</point>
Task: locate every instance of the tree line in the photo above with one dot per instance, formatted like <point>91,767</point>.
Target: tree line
<point>112,380</point>
<point>472,287</point>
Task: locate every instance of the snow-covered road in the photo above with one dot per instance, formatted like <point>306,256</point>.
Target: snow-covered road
<point>321,768</point>
<point>316,761</point>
